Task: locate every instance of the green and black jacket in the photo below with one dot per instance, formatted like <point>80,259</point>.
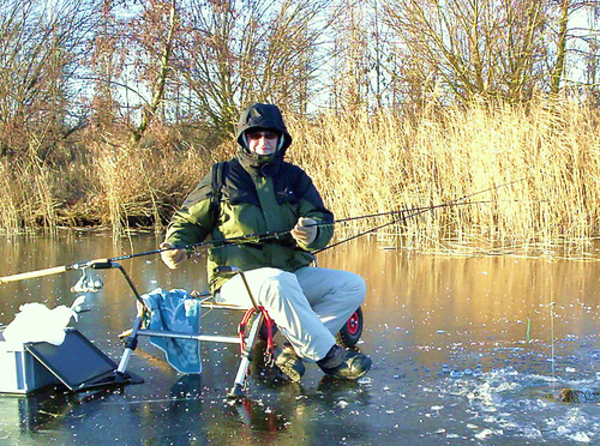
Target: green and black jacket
<point>258,195</point>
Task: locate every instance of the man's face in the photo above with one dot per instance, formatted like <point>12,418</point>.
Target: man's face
<point>262,142</point>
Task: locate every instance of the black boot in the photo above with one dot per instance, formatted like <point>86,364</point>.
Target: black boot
<point>289,363</point>
<point>343,364</point>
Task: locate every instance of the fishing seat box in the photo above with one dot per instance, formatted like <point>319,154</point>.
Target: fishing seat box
<point>20,372</point>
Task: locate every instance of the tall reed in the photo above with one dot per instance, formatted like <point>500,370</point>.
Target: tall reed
<point>27,200</point>
<point>141,185</point>
<point>9,209</point>
<point>540,167</point>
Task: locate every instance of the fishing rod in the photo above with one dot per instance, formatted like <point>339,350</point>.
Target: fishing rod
<point>107,263</point>
<point>112,262</point>
<point>416,212</point>
<point>242,239</point>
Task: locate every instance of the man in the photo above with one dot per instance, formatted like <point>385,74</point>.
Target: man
<point>261,193</point>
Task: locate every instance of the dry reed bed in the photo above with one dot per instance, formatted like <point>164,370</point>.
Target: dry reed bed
<point>539,168</point>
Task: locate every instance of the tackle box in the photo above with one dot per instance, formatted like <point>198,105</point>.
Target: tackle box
<point>76,363</point>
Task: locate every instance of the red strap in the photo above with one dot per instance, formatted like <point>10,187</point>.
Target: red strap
<point>267,321</point>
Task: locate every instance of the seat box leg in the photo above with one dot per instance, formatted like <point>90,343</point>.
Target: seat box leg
<point>239,385</point>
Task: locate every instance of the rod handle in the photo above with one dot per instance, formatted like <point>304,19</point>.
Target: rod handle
<point>33,274</point>
<point>95,264</point>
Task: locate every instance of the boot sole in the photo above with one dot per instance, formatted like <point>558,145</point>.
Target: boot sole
<point>289,371</point>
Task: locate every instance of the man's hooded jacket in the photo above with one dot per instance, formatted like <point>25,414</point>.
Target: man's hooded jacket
<point>258,195</point>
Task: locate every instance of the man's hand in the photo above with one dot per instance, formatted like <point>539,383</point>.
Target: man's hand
<point>172,257</point>
<point>305,231</point>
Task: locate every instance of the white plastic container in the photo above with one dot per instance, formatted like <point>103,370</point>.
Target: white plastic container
<point>20,372</point>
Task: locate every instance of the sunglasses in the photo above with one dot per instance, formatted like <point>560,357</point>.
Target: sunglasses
<point>261,134</point>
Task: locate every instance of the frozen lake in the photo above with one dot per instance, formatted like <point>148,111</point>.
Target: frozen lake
<point>466,350</point>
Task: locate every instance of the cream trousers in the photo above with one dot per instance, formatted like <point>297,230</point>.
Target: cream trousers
<point>309,305</point>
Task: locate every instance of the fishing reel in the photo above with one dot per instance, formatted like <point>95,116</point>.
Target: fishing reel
<point>89,282</point>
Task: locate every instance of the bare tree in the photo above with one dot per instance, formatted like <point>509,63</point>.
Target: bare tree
<point>236,52</point>
<point>41,46</point>
<point>157,41</point>
<point>106,66</point>
<point>489,48</point>
<point>561,50</point>
<point>577,47</point>
<point>132,63</point>
<point>352,65</point>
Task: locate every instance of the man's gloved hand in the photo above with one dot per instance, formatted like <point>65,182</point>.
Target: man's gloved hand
<point>305,231</point>
<point>172,257</point>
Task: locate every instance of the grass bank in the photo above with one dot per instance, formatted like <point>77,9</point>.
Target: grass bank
<point>539,166</point>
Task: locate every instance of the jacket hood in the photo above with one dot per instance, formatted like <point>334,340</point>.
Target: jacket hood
<point>266,116</point>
